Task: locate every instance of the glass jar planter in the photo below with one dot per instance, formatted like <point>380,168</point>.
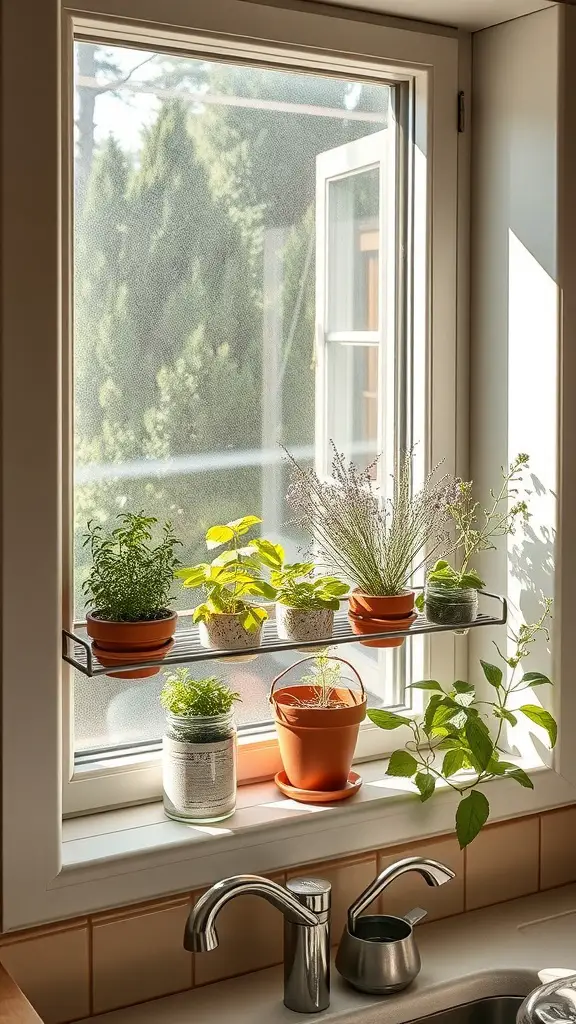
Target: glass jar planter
<point>199,767</point>
<point>450,606</point>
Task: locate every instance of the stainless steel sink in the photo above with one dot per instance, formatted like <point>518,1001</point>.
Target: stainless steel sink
<point>499,1010</point>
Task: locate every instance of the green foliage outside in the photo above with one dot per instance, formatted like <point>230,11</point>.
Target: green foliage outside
<point>170,305</point>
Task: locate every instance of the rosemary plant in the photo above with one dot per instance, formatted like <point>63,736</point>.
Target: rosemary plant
<point>374,542</point>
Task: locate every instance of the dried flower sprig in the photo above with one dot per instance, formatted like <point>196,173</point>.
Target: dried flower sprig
<point>375,542</point>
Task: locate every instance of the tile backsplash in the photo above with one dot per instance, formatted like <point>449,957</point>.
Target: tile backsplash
<point>127,956</point>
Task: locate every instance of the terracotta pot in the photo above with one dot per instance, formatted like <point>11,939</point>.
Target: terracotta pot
<point>362,626</point>
<point>138,641</point>
<point>303,623</point>
<point>317,744</point>
<point>373,607</point>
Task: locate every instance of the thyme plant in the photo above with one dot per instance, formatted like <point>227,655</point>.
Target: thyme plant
<point>459,740</point>
<point>186,697</point>
<point>477,528</point>
<point>131,576</point>
<point>375,542</point>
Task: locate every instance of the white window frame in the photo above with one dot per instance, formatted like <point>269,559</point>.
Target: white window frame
<point>39,883</point>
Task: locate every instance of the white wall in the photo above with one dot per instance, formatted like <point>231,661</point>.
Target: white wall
<point>515,395</point>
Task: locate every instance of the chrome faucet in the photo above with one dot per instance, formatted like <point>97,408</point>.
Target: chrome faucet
<point>431,870</point>
<point>555,1001</point>
<point>305,904</point>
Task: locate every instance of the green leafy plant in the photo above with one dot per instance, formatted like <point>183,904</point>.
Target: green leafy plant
<point>373,541</point>
<point>297,587</point>
<point>184,696</point>
<point>478,527</point>
<point>325,679</point>
<point>456,728</point>
<point>235,574</point>
<point>130,576</point>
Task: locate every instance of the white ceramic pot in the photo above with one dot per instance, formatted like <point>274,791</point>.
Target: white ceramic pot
<point>225,632</point>
<point>303,623</point>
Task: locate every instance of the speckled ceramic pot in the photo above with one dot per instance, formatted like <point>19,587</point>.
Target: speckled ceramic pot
<point>226,633</point>
<point>303,623</point>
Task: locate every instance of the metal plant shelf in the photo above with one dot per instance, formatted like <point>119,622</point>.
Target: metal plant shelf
<point>77,649</point>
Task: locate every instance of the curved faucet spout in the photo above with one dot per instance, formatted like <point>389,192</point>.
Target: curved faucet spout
<point>432,872</point>
<point>201,936</point>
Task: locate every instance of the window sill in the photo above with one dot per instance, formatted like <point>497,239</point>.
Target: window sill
<point>118,857</point>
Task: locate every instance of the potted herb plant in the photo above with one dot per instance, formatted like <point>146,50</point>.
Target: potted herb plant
<point>375,542</point>
<point>199,748</point>
<point>128,591</point>
<point>305,604</point>
<point>227,619</point>
<point>317,721</point>
<point>451,594</point>
<point>459,743</point>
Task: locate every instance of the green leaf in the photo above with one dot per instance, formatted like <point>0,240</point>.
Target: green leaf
<point>193,577</point>
<point>465,699</point>
<point>471,816</point>
<point>431,710</point>
<point>461,687</point>
<point>272,555</point>
<point>218,535</point>
<point>493,673</point>
<point>481,746</point>
<point>542,718</point>
<point>472,580</point>
<point>426,785</point>
<point>506,715</point>
<point>259,588</point>
<point>419,603</point>
<point>386,719</point>
<point>453,762</point>
<point>444,713</point>
<point>520,776</point>
<point>536,679</point>
<point>426,684</point>
<point>449,743</point>
<point>402,763</point>
<point>241,526</point>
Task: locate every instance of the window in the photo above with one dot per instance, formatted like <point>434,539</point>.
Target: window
<point>237,235</point>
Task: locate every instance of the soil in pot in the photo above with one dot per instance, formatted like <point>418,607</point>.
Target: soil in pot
<point>389,607</point>
<point>127,642</point>
<point>363,626</point>
<point>303,623</point>
<point>450,606</point>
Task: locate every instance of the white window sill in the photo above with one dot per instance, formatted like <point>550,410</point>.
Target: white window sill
<point>118,857</point>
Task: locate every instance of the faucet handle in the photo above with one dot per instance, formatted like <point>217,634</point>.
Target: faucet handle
<point>413,916</point>
<point>313,893</point>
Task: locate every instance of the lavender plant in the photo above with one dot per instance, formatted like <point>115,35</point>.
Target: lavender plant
<point>375,542</point>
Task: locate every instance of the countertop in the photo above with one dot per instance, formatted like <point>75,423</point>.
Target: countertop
<point>491,952</point>
<point>14,1007</point>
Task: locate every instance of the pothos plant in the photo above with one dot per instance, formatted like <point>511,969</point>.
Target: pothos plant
<point>459,740</point>
<point>477,528</point>
<point>234,575</point>
<point>297,587</point>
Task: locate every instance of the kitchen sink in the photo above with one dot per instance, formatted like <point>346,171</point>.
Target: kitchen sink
<point>499,1010</point>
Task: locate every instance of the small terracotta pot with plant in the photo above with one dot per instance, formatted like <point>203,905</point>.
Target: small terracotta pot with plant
<point>227,618</point>
<point>128,592</point>
<point>317,721</point>
<point>305,604</point>
<point>376,541</point>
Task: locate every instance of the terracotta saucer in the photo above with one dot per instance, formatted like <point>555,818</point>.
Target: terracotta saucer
<point>111,658</point>
<point>363,626</point>
<point>318,796</point>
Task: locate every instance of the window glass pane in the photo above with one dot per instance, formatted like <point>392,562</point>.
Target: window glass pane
<point>195,311</point>
<point>353,249</point>
<point>353,392</point>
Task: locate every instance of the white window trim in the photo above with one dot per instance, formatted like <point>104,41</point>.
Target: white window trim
<point>38,883</point>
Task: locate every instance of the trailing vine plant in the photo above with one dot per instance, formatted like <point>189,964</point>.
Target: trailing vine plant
<point>459,740</point>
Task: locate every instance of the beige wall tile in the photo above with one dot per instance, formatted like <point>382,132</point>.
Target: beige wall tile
<point>139,956</point>
<point>502,863</point>
<point>52,970</point>
<point>348,878</point>
<point>557,857</point>
<point>411,890</point>
<point>251,934</point>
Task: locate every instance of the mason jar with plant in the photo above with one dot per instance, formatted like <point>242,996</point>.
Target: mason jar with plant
<point>317,721</point>
<point>305,603</point>
<point>451,594</point>
<point>128,591</point>
<point>227,618</point>
<point>459,742</point>
<point>375,542</point>
<point>199,748</point>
